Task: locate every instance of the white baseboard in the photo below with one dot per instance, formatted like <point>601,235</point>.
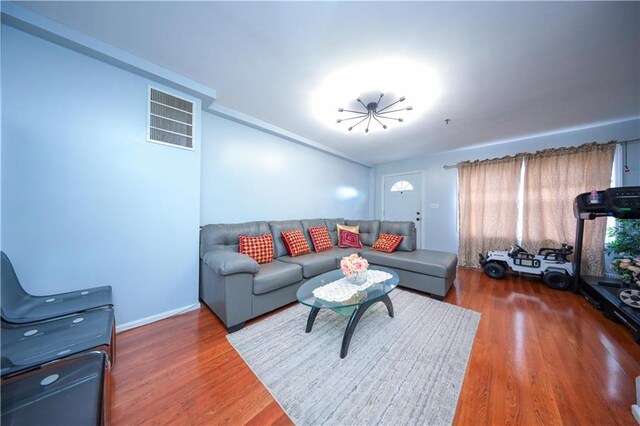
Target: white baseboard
<point>636,412</point>
<point>157,317</point>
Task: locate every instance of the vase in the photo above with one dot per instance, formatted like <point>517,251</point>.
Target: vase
<point>357,277</point>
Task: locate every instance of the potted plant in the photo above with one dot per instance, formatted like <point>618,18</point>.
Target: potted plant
<point>626,246</point>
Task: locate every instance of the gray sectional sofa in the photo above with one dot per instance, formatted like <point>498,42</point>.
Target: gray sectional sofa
<point>237,288</point>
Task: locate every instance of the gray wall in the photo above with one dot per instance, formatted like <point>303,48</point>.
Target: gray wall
<point>440,225</point>
<point>249,175</point>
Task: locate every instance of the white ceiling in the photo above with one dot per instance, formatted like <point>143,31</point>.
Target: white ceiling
<point>507,69</point>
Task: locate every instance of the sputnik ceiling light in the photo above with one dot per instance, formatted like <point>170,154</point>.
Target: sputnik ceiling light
<point>396,77</point>
<point>373,111</point>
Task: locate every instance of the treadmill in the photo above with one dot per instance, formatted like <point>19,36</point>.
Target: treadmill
<point>622,203</point>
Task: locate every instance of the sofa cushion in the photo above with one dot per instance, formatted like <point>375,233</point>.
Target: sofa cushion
<point>387,243</point>
<point>295,242</point>
<point>407,229</point>
<point>369,230</point>
<point>275,275</point>
<point>277,226</point>
<point>258,248</point>
<point>338,253</point>
<point>312,264</point>
<point>429,262</point>
<point>320,238</point>
<point>349,239</point>
<point>331,226</point>
<point>224,236</point>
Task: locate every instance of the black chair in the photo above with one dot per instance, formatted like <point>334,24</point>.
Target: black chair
<point>20,307</point>
<point>73,391</point>
<point>28,346</point>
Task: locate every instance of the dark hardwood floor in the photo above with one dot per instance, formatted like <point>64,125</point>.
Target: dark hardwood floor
<point>540,357</point>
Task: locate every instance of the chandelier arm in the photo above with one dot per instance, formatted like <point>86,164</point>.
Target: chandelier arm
<point>390,105</point>
<point>376,118</point>
<point>355,112</point>
<point>357,123</point>
<point>389,118</point>
<point>365,107</point>
<point>393,110</point>
<point>353,118</point>
<point>368,123</point>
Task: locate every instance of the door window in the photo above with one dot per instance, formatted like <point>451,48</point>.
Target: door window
<point>401,185</point>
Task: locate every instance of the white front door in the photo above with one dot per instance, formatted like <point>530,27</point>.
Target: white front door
<point>403,200</point>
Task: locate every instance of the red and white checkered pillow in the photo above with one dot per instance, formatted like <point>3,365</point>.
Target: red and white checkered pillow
<point>259,248</point>
<point>320,238</point>
<point>387,243</point>
<point>295,242</point>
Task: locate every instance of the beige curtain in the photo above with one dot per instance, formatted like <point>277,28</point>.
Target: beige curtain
<point>553,178</point>
<point>487,206</point>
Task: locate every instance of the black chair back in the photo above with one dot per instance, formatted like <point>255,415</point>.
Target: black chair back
<point>20,307</point>
<point>13,295</point>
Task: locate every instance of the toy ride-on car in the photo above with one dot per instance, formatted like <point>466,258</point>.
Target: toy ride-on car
<point>550,264</point>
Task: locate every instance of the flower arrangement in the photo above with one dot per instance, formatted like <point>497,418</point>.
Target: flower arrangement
<point>628,267</point>
<point>353,264</point>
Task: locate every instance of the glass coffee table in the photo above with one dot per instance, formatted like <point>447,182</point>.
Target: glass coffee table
<point>354,307</point>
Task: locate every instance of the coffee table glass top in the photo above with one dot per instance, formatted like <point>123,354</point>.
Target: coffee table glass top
<point>373,292</point>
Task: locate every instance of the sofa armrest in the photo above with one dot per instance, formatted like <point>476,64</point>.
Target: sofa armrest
<point>228,262</point>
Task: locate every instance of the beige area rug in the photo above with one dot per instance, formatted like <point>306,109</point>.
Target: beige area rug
<point>406,370</point>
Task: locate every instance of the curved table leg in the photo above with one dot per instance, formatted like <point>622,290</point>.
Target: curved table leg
<point>387,301</point>
<point>312,318</point>
<point>355,317</point>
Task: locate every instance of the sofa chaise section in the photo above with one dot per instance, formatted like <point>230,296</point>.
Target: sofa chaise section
<point>428,271</point>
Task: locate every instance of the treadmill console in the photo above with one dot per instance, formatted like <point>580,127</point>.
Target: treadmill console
<point>622,202</point>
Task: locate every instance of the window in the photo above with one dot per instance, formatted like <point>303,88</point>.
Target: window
<point>616,180</point>
<point>401,185</point>
<point>529,198</point>
<point>170,120</point>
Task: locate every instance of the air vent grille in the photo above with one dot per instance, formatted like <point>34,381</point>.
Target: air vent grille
<point>170,119</point>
